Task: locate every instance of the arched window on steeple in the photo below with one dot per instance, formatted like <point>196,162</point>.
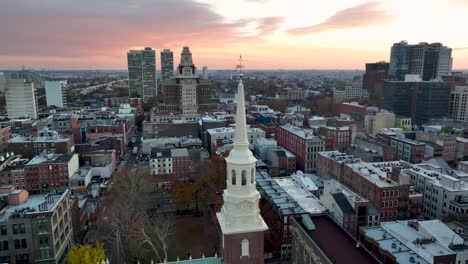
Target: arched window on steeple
<point>252,176</point>
<point>233,177</point>
<point>244,178</point>
<point>245,247</point>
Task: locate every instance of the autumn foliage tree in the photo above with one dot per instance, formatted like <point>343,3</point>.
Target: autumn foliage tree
<point>84,254</point>
<point>200,189</point>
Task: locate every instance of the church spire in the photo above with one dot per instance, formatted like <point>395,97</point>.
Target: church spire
<point>241,141</point>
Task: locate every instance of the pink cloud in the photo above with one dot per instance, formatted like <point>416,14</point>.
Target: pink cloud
<point>363,15</point>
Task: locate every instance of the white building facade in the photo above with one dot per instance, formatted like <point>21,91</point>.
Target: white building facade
<point>20,99</point>
<point>458,109</point>
<point>56,93</point>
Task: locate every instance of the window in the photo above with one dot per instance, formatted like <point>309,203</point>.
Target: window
<point>3,230</point>
<point>244,178</point>
<point>23,243</point>
<point>17,244</point>
<point>233,177</point>
<point>15,229</point>
<point>245,247</point>
<point>252,176</point>
<point>4,245</point>
<point>43,241</point>
<point>22,229</point>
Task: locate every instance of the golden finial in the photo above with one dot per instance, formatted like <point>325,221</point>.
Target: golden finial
<point>240,66</point>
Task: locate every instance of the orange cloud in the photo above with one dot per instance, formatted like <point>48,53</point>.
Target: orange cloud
<point>358,16</point>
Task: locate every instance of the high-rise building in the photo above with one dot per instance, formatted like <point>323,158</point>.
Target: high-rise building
<point>241,225</point>
<point>398,67</point>
<point>187,93</point>
<point>30,76</point>
<point>20,99</point>
<point>458,107</point>
<point>142,73</point>
<point>374,78</point>
<point>420,100</point>
<point>429,61</point>
<point>56,94</point>
<point>167,65</point>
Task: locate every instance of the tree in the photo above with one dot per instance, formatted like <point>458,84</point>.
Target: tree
<point>154,231</point>
<point>84,254</point>
<point>447,130</point>
<point>127,215</point>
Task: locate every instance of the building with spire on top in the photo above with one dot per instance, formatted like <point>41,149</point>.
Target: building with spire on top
<point>240,221</point>
<point>187,94</point>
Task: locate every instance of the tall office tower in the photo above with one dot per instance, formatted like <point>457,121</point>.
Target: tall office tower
<point>187,93</point>
<point>241,224</point>
<point>399,56</point>
<point>56,94</point>
<point>30,76</point>
<point>444,65</point>
<point>458,107</point>
<point>20,99</point>
<point>429,61</point>
<point>420,100</point>
<point>374,78</point>
<point>167,64</point>
<point>186,72</point>
<point>142,73</point>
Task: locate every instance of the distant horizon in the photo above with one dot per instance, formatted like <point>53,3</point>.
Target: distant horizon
<point>199,69</point>
<point>298,35</point>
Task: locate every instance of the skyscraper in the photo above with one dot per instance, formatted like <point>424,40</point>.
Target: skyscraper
<point>429,61</point>
<point>167,64</point>
<point>187,93</point>
<point>374,78</point>
<point>142,73</point>
<point>240,221</point>
<point>20,99</point>
<point>420,100</point>
<point>56,93</point>
<point>399,60</point>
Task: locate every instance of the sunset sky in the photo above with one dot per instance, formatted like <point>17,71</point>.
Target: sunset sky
<point>271,34</point>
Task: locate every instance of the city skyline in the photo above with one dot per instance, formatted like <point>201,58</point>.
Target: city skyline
<point>74,35</point>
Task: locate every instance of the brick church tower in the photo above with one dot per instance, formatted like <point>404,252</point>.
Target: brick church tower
<point>239,219</point>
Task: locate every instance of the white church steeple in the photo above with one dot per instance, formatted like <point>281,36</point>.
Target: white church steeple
<point>240,214</point>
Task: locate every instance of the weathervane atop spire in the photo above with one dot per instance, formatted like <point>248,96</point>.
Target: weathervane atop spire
<point>240,66</point>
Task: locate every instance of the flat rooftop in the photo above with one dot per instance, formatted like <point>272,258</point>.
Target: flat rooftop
<point>303,197</point>
<point>22,139</point>
<point>338,245</point>
<point>277,196</point>
<point>405,240</point>
<point>31,206</point>
<point>50,158</point>
<point>300,132</point>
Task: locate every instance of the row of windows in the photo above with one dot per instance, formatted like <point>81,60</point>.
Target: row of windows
<point>17,229</point>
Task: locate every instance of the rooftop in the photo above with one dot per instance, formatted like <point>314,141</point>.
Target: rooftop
<point>338,245</point>
<point>46,158</point>
<point>31,206</point>
<point>305,199</point>
<point>422,240</point>
<point>277,196</point>
<point>23,139</point>
<point>300,132</point>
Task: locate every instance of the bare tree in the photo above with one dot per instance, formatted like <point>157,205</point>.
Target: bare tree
<point>154,231</point>
<point>124,206</point>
